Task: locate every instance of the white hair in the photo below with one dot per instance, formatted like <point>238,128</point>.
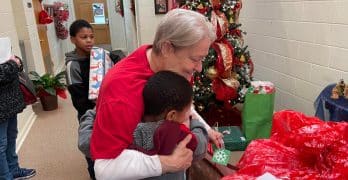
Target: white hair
<point>182,28</point>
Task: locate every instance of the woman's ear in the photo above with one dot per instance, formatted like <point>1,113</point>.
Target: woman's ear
<point>167,49</point>
<point>171,115</point>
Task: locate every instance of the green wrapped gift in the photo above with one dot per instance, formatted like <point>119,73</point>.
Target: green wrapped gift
<point>233,138</point>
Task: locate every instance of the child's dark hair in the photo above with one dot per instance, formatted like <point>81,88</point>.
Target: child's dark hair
<point>166,91</point>
<point>77,25</point>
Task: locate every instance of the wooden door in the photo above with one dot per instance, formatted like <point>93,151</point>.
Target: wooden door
<point>85,9</point>
<point>42,31</point>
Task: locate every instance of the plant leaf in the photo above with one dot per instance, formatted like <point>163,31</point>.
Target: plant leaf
<point>51,91</point>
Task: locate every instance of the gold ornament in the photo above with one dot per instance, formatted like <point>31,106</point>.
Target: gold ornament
<point>200,108</point>
<point>242,58</point>
<point>200,6</point>
<point>334,93</point>
<point>230,82</point>
<point>231,20</point>
<point>212,73</point>
<point>234,75</point>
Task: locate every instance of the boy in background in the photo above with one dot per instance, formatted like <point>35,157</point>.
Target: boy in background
<point>77,69</point>
<point>166,121</point>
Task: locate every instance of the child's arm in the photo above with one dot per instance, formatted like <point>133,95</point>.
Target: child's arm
<point>143,138</point>
<point>78,89</point>
<point>214,136</point>
<point>197,128</point>
<point>85,131</point>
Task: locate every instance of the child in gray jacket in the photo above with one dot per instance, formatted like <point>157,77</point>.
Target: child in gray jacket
<point>167,99</point>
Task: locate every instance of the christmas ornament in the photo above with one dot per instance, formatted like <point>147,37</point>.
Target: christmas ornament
<point>334,93</point>
<point>44,18</point>
<point>222,156</point>
<point>212,73</point>
<point>341,89</point>
<point>119,7</point>
<point>61,15</point>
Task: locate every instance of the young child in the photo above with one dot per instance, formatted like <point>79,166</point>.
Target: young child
<point>167,100</point>
<point>77,69</point>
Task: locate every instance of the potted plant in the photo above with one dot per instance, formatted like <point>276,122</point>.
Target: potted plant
<point>48,87</point>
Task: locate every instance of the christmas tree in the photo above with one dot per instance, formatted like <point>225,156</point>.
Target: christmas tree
<point>227,70</point>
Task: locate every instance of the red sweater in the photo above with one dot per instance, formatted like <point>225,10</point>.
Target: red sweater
<point>169,134</point>
<point>120,105</point>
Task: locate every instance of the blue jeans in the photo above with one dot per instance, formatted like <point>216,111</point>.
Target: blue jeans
<point>8,155</point>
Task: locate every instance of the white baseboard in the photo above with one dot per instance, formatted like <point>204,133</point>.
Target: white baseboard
<point>25,130</point>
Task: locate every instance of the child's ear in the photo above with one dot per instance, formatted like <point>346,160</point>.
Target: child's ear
<point>171,115</point>
<point>72,39</point>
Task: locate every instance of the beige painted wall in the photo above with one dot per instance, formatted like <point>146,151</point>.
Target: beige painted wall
<point>27,32</point>
<point>146,21</point>
<point>117,29</point>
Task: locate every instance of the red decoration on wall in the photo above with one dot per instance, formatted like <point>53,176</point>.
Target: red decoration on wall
<point>119,7</point>
<point>44,18</point>
<point>61,15</point>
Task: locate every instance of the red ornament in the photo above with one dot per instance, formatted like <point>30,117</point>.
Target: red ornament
<point>44,18</point>
<point>251,65</point>
<point>237,6</point>
<point>236,32</point>
<point>185,7</point>
<point>223,92</point>
<point>216,4</point>
<point>201,9</point>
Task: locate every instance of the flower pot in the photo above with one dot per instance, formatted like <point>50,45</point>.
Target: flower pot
<point>49,102</point>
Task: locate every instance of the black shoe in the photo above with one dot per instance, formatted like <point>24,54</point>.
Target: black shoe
<point>23,173</point>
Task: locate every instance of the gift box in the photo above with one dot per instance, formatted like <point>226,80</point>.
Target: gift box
<point>100,63</point>
<point>233,138</point>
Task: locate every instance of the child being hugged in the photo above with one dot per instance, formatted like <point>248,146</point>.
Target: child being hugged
<point>166,121</point>
<point>77,71</point>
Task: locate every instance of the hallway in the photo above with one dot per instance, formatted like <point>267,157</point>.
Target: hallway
<point>51,145</point>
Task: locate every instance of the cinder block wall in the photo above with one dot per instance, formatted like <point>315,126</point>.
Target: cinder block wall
<point>300,45</point>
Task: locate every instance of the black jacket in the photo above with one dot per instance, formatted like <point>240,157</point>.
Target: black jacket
<point>11,97</point>
<point>77,78</point>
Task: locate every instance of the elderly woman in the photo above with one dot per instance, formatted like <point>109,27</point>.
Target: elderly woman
<point>181,42</point>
